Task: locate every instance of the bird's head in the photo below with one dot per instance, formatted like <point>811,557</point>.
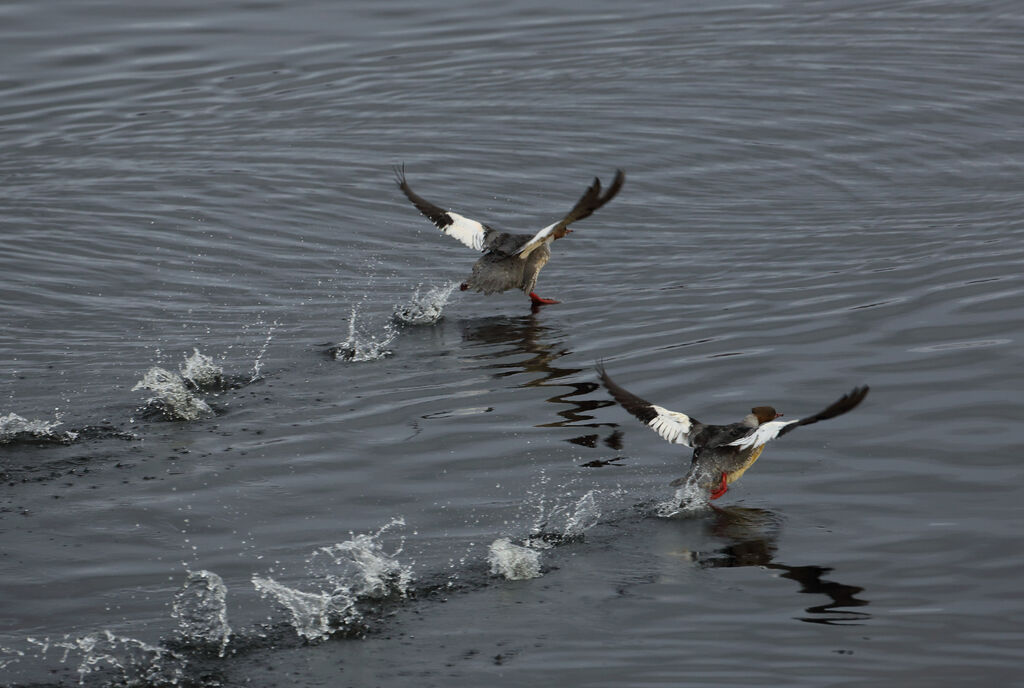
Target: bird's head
<point>765,414</point>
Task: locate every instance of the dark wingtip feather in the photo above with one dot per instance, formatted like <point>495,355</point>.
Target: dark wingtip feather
<point>845,403</point>
<point>640,408</point>
<point>613,189</point>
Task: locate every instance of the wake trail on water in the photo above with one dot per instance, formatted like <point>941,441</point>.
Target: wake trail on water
<point>15,428</point>
<point>344,590</point>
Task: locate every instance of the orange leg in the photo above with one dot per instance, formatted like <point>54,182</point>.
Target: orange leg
<point>722,488</point>
<point>541,301</point>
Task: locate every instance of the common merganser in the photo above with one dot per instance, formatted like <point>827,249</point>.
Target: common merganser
<point>722,453</point>
<point>510,261</point>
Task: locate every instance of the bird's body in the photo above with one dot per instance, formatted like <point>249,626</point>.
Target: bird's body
<point>721,453</point>
<point>510,261</point>
<point>499,269</point>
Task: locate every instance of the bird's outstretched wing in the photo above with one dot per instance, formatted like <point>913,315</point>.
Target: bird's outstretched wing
<point>766,432</point>
<point>673,426</point>
<point>591,200</point>
<point>470,232</point>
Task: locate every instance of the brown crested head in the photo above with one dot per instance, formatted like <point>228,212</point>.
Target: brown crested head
<point>765,413</point>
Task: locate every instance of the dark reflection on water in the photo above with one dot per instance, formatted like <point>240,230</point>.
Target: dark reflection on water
<point>544,346</point>
<point>752,535</point>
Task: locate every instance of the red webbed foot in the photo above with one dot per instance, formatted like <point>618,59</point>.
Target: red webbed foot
<point>722,488</point>
<point>541,301</point>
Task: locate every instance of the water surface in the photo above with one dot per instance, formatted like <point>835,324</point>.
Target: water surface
<point>817,197</point>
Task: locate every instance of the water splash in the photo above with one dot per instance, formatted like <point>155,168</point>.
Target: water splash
<point>9,656</point>
<point>346,574</point>
<point>175,394</point>
<point>314,615</point>
<point>15,428</point>
<point>361,346</point>
<point>171,396</point>
<point>565,523</point>
<point>257,365</point>
<point>133,662</point>
<point>585,515</point>
<point>512,561</point>
<point>361,568</point>
<point>200,372</point>
<point>201,610</point>
<point>689,498</point>
<point>424,309</point>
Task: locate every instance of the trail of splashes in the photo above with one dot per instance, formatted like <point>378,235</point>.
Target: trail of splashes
<point>133,662</point>
<point>346,573</point>
<point>14,428</point>
<point>201,610</point>
<point>424,309</point>
<point>361,346</point>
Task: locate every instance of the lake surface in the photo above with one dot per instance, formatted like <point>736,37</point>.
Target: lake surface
<point>818,196</point>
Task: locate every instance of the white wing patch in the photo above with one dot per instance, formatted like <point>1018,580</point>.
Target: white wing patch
<point>764,433</point>
<point>541,237</point>
<point>671,425</point>
<point>469,232</point>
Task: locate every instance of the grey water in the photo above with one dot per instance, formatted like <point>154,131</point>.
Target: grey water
<point>251,433</point>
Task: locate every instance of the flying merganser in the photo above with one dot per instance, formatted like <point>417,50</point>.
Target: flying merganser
<point>721,453</point>
<point>510,261</point>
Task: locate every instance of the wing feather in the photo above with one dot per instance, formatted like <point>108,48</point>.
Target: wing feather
<point>469,232</point>
<point>766,432</point>
<point>591,200</point>
<point>672,426</point>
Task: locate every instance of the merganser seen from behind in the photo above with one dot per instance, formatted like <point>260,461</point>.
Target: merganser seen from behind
<point>510,261</point>
<point>721,453</point>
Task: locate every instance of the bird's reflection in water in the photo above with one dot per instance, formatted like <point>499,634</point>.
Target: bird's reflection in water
<point>543,345</point>
<point>752,535</point>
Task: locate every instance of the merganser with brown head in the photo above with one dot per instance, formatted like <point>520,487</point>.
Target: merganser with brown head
<point>510,261</point>
<point>722,453</point>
